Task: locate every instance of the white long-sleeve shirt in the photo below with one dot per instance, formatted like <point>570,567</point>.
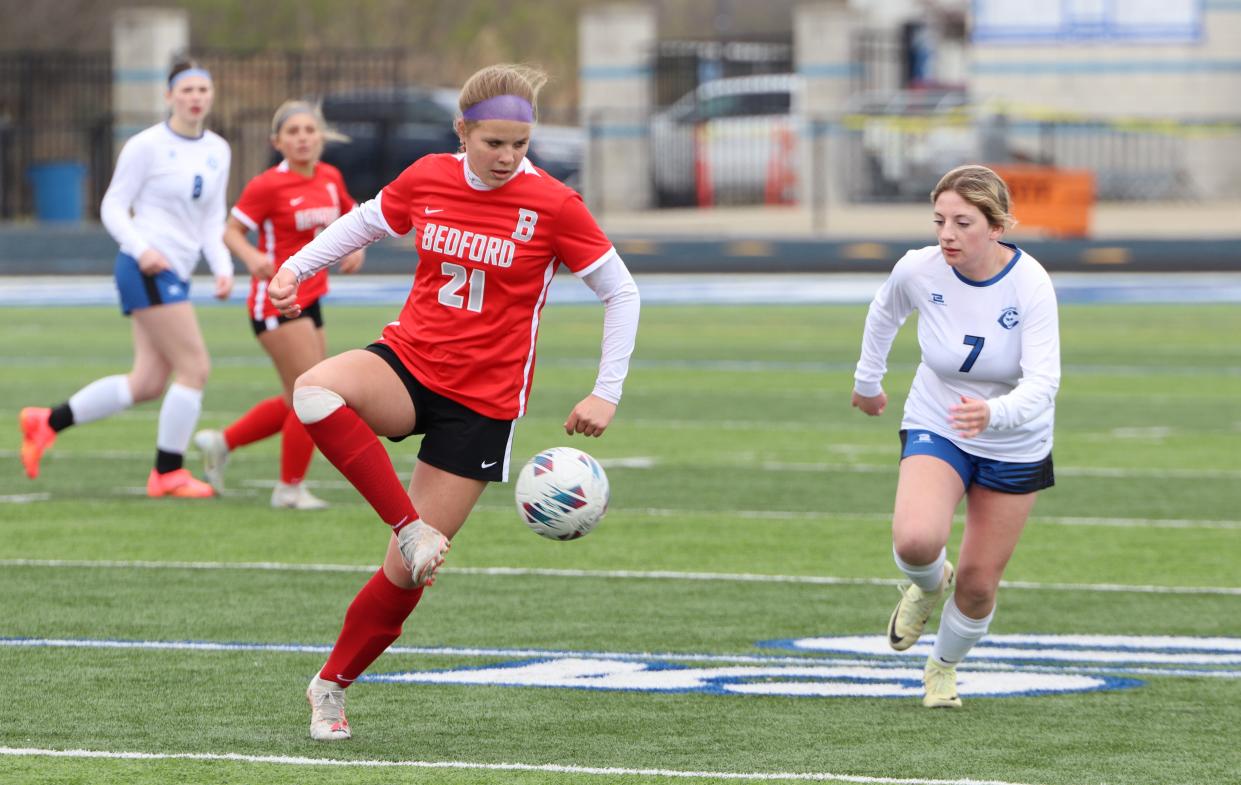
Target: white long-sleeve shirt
<point>996,340</point>
<point>175,187</point>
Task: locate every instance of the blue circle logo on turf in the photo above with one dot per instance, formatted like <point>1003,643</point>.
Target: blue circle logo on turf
<point>801,681</point>
<point>864,666</point>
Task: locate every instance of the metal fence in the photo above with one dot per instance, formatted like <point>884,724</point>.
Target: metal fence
<point>59,108</point>
<point>53,108</point>
<point>681,66</point>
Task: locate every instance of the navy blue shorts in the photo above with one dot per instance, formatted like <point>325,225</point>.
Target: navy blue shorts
<point>142,291</point>
<point>1002,476</point>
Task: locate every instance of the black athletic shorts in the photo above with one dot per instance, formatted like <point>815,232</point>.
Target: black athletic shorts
<point>455,438</point>
<point>312,312</point>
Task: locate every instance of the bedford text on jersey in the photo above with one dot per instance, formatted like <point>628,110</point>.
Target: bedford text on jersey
<point>315,217</point>
<point>451,241</point>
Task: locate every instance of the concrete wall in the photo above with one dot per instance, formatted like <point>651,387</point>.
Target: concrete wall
<point>144,43</point>
<point>822,41</point>
<point>1123,80</point>
<point>616,46</point>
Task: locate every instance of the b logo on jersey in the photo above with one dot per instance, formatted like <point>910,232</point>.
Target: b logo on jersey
<point>526,219</point>
<point>1008,318</point>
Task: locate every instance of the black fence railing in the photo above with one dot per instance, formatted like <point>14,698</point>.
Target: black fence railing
<point>681,66</point>
<point>53,108</point>
<point>754,149</point>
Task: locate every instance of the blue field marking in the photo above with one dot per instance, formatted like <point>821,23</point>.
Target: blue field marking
<point>847,666</point>
<point>1151,653</point>
<point>674,289</point>
<point>872,680</point>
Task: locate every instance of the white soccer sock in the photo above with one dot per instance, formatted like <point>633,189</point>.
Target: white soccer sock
<point>178,415</point>
<point>958,633</point>
<point>101,398</point>
<point>926,577</point>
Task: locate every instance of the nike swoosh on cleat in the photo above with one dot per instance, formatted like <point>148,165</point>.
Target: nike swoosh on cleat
<point>892,636</point>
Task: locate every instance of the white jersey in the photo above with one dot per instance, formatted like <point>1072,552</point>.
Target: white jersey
<point>176,187</point>
<point>996,340</point>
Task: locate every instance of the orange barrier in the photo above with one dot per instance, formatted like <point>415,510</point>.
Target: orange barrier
<point>781,184</point>
<point>704,191</point>
<point>1057,201</point>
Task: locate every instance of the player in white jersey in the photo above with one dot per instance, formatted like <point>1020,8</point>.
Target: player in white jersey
<point>165,207</point>
<point>978,419</point>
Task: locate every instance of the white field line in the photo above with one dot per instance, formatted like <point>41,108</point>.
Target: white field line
<point>720,366</point>
<point>645,462</point>
<point>671,575</point>
<point>24,498</point>
<point>546,768</point>
<point>252,489</point>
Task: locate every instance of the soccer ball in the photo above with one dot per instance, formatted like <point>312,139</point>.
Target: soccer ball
<point>562,493</point>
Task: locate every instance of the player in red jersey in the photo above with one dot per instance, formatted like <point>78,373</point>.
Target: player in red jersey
<point>286,206</point>
<point>456,367</point>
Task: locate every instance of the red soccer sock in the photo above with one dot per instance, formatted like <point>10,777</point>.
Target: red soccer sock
<point>265,419</point>
<point>296,450</point>
<point>348,442</point>
<point>372,623</point>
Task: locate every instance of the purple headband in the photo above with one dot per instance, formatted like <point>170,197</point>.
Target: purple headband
<point>501,107</point>
<point>203,72</point>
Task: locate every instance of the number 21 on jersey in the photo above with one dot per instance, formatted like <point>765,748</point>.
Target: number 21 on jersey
<point>450,292</point>
<point>475,280</point>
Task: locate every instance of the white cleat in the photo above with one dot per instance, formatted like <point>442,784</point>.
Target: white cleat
<point>940,682</point>
<point>327,711</point>
<point>423,549</point>
<point>909,618</point>
<point>215,456</point>
<point>295,496</point>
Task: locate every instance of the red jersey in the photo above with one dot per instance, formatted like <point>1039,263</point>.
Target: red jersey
<point>485,262</point>
<point>288,210</point>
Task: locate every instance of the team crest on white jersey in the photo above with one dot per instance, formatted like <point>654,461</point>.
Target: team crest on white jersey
<point>1008,318</point>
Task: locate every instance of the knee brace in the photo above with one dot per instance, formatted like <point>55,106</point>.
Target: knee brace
<point>313,404</point>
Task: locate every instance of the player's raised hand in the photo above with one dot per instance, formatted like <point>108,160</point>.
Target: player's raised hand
<point>590,417</point>
<point>283,293</point>
<point>871,404</point>
<point>970,417</point>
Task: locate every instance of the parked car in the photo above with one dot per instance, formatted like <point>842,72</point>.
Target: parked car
<point>390,128</point>
<point>733,141</point>
<point>728,141</point>
<point>908,139</point>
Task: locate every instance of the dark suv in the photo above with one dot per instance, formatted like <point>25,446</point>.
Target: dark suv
<point>389,129</point>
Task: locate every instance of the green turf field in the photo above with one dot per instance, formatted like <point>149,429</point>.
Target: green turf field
<point>749,504</point>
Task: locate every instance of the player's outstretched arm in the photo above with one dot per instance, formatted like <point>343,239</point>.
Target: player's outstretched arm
<point>590,417</point>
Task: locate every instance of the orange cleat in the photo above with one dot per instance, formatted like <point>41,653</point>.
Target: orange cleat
<point>179,483</point>
<point>37,436</point>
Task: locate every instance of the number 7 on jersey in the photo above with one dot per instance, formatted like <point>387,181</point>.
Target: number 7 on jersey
<point>976,341</point>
